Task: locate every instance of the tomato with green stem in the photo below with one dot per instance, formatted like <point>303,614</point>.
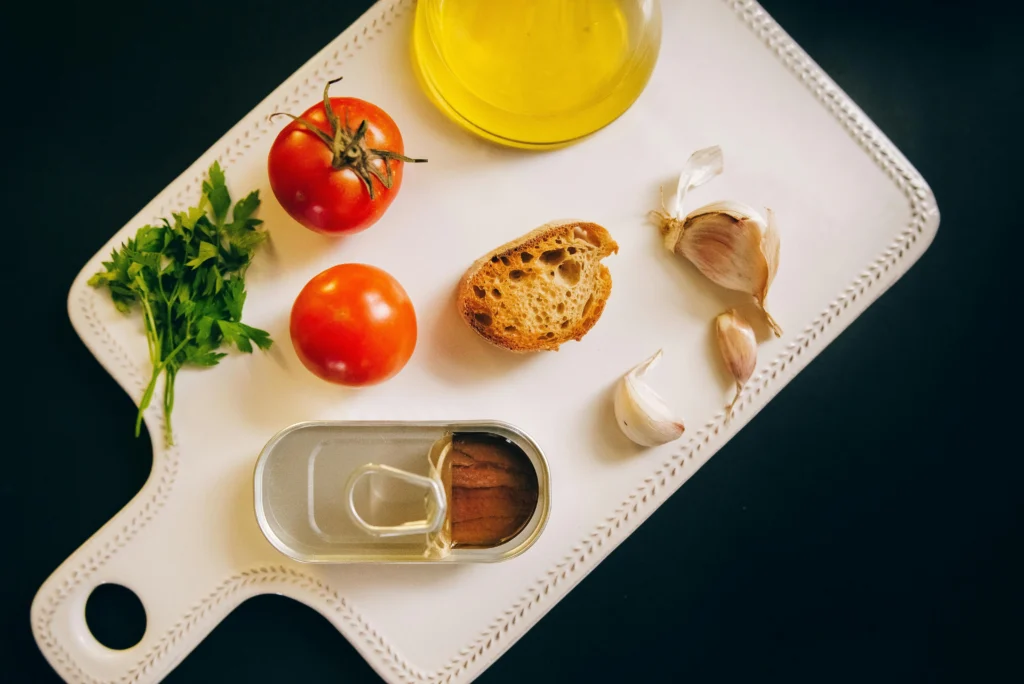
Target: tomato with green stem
<point>338,167</point>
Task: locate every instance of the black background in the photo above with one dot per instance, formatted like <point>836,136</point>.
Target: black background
<point>866,526</point>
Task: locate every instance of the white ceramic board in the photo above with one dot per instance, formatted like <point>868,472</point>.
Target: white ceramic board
<point>853,215</point>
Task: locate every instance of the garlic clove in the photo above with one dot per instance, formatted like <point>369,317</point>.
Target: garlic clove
<point>725,245</point>
<point>733,246</point>
<point>738,346</point>
<point>641,413</point>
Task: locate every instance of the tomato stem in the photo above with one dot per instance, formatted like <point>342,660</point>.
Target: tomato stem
<point>348,148</point>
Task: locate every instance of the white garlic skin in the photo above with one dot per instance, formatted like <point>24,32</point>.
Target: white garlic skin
<point>702,166</point>
<point>738,346</point>
<point>641,413</point>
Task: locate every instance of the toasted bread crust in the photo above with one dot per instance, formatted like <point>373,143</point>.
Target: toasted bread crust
<point>587,243</point>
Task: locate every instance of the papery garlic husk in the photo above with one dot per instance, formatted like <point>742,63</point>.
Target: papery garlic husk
<point>731,244</point>
<point>641,414</point>
<point>702,166</point>
<point>738,345</point>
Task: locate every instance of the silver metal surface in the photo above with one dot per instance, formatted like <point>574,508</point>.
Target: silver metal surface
<point>303,506</point>
<point>435,503</point>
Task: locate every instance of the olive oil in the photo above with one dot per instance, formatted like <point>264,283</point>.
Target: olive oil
<point>535,73</point>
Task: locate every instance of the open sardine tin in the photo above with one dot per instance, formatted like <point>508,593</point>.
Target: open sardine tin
<point>343,492</point>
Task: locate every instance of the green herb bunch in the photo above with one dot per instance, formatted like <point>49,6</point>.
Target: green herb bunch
<point>188,276</point>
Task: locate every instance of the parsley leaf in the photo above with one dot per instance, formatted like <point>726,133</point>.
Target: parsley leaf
<point>187,275</point>
<point>207,251</point>
<point>217,193</point>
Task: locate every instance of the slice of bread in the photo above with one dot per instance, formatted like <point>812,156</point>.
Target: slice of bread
<point>546,288</point>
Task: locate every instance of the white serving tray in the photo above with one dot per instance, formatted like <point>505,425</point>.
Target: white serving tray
<point>853,215</point>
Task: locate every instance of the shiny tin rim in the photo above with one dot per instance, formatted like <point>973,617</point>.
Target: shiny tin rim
<point>510,549</point>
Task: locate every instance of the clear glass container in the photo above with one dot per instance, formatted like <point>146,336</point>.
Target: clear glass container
<point>535,73</point>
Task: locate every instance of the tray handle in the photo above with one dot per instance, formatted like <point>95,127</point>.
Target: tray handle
<point>182,602</point>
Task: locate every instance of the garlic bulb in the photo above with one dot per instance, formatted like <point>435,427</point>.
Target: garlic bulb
<point>731,244</point>
<point>641,414</point>
<point>738,345</point>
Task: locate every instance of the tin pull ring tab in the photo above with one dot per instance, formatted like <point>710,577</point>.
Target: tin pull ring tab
<point>436,504</point>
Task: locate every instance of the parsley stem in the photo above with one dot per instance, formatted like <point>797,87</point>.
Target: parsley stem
<point>147,396</point>
<point>153,338</point>
<point>172,372</point>
<point>174,352</point>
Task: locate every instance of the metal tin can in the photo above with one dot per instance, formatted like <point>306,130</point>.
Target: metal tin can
<point>343,492</point>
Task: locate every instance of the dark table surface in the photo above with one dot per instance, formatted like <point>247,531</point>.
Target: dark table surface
<point>866,526</point>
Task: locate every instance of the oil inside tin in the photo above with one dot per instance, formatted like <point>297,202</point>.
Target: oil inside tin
<point>305,510</point>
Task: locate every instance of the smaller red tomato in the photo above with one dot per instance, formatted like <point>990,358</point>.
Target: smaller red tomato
<point>353,325</point>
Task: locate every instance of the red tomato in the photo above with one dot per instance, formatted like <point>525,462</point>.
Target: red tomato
<point>353,325</point>
<point>343,186</point>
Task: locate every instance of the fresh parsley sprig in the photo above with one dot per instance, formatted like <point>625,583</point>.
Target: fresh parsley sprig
<point>188,277</point>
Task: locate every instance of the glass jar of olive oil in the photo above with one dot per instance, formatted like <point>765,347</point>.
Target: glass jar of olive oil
<point>535,73</point>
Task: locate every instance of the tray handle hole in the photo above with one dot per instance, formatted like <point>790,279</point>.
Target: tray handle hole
<point>115,616</point>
